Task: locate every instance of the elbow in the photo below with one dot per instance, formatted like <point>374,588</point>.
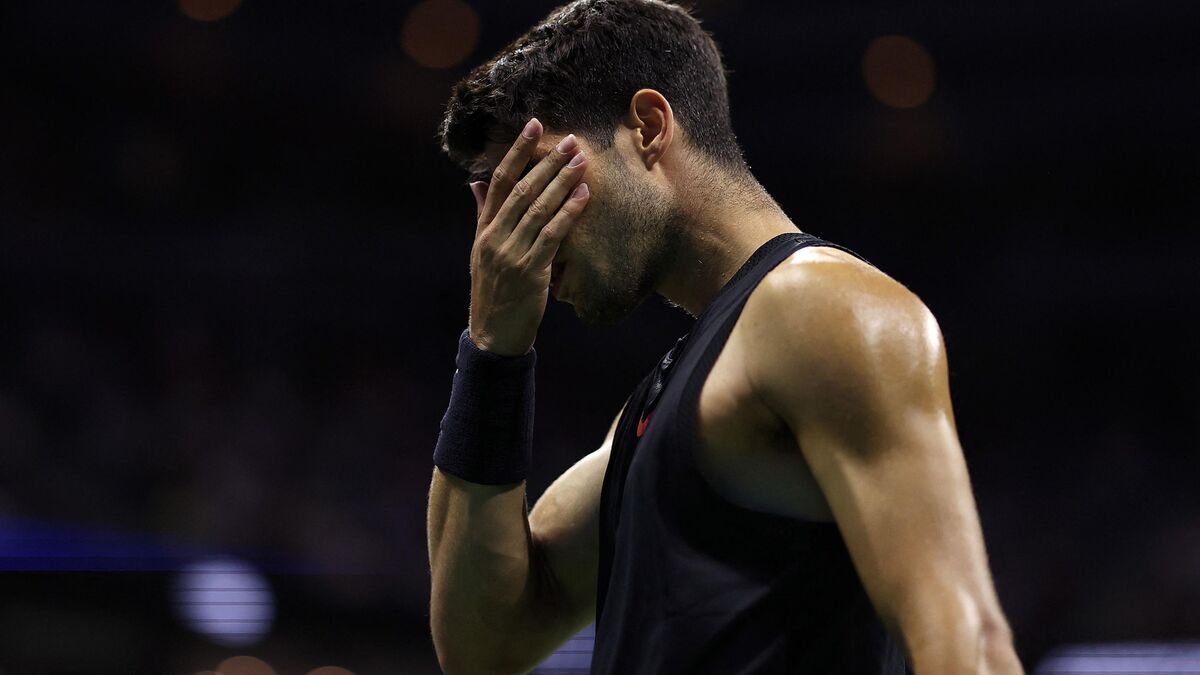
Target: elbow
<point>979,642</point>
<point>453,665</point>
<point>452,656</point>
<point>459,655</point>
<point>458,661</point>
<point>997,654</point>
<point>448,661</point>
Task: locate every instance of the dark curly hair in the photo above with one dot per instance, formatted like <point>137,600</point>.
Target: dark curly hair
<point>578,69</point>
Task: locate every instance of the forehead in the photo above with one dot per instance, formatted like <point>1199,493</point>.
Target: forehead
<point>493,154</point>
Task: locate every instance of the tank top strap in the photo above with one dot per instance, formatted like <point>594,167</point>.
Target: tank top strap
<point>641,403</point>
<point>765,259</point>
<point>717,321</point>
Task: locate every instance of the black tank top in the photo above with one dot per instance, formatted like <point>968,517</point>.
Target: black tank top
<point>690,582</point>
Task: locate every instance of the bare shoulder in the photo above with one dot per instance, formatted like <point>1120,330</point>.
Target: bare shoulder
<point>817,278</point>
<point>823,321</point>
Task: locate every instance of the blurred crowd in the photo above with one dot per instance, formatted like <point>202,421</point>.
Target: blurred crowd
<point>234,265</point>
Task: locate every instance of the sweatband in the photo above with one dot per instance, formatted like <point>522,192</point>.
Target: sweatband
<point>487,432</point>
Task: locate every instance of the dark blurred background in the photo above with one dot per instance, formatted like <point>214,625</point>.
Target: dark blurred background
<point>233,269</point>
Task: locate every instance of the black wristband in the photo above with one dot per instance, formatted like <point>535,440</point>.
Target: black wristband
<point>487,432</point>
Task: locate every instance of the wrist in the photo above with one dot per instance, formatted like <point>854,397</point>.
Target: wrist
<point>487,432</point>
<point>474,353</point>
<point>484,343</point>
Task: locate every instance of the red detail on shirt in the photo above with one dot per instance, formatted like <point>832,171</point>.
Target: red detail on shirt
<point>642,424</point>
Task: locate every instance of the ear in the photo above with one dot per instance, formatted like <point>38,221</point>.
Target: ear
<point>653,123</point>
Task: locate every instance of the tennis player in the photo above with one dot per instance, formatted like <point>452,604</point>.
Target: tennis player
<point>785,491</point>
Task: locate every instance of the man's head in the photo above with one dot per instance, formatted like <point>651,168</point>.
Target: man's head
<point>643,88</point>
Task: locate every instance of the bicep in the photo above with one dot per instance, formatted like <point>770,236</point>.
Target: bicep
<point>865,392</point>
<point>906,512</point>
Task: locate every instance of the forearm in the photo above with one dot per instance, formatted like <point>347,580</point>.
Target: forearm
<point>488,577</point>
<point>480,554</point>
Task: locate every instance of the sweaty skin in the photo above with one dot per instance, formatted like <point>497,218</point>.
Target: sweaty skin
<point>853,366</point>
<point>830,400</point>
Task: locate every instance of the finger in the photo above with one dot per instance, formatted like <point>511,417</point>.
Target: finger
<point>546,204</point>
<point>479,190</point>
<point>505,176</point>
<point>551,236</point>
<point>530,188</point>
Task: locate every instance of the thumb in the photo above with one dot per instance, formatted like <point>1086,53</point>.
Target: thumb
<point>479,189</point>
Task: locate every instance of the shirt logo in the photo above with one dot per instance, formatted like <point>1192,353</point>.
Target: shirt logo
<point>642,424</point>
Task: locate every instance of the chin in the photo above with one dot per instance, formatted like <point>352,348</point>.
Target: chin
<point>601,321</point>
<point>604,315</point>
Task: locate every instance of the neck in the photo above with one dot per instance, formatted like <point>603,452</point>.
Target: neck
<point>719,233</point>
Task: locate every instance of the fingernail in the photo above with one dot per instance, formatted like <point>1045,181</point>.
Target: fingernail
<point>567,144</point>
<point>478,187</point>
<point>580,191</point>
<point>575,161</point>
<point>531,127</point>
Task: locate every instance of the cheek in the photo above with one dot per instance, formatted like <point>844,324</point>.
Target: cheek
<point>589,225</point>
<point>574,241</point>
<point>583,228</point>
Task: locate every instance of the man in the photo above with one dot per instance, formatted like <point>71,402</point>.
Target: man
<point>785,492</point>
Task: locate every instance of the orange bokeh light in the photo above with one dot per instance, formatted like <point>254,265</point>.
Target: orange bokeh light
<point>208,10</point>
<point>440,33</point>
<point>898,71</point>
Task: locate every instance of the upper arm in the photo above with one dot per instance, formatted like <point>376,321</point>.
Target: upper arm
<point>565,528</point>
<point>855,365</point>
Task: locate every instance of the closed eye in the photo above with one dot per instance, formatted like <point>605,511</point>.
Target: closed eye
<point>486,175</point>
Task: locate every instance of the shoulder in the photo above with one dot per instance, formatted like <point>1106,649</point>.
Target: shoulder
<point>826,326</point>
<point>828,295</point>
